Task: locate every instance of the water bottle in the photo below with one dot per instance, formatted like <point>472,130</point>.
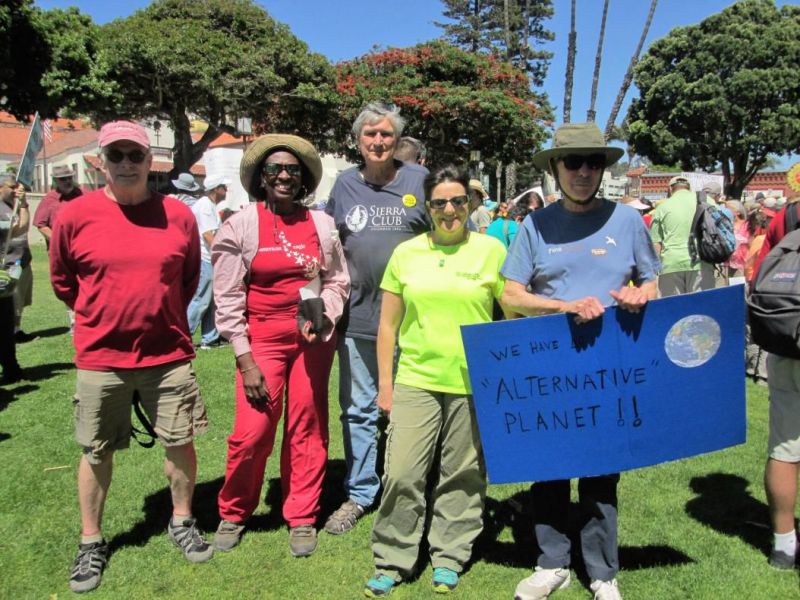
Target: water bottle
<point>15,270</point>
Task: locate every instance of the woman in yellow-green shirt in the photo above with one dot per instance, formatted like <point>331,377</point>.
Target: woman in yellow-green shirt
<point>433,284</point>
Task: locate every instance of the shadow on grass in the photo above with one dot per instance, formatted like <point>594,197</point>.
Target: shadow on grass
<point>47,370</point>
<point>7,396</point>
<point>516,513</point>
<point>158,509</point>
<point>51,332</point>
<point>724,504</point>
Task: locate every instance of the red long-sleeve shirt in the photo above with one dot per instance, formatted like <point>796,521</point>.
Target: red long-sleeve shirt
<point>129,272</point>
<point>775,233</point>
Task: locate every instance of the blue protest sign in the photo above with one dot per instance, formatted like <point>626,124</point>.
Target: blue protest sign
<point>557,400</point>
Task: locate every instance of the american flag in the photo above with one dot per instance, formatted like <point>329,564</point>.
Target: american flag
<point>47,129</point>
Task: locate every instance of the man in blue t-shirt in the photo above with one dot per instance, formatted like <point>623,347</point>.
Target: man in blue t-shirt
<point>376,205</point>
<point>578,256</point>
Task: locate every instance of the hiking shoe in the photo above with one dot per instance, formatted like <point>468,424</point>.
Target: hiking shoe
<point>302,540</point>
<point>88,566</point>
<point>188,538</point>
<point>605,590</point>
<point>542,583</point>
<point>781,560</point>
<point>228,535</point>
<point>444,580</point>
<point>344,518</point>
<point>379,585</point>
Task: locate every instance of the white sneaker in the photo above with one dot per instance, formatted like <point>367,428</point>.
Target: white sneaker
<point>605,590</point>
<point>542,583</point>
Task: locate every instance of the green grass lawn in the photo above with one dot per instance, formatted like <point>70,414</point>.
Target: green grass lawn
<point>695,528</point>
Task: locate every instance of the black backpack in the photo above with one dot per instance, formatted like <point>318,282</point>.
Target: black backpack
<point>711,238</point>
<point>773,306</point>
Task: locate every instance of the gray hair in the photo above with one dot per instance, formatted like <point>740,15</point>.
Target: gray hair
<point>410,149</point>
<point>377,111</point>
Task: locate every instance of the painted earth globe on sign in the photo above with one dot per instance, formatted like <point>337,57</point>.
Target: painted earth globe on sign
<point>692,341</point>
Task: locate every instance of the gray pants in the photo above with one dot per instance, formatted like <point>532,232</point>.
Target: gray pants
<point>598,529</point>
<point>686,282</point>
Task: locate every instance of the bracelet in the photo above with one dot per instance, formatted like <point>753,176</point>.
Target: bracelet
<point>248,369</point>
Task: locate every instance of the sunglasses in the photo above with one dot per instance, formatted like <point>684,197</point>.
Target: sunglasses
<point>456,201</point>
<point>273,169</point>
<point>573,162</point>
<point>116,156</point>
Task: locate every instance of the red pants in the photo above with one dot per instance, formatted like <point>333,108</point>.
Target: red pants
<point>299,372</point>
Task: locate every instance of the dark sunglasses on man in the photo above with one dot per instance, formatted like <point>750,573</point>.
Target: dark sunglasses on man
<point>573,162</point>
<point>117,156</point>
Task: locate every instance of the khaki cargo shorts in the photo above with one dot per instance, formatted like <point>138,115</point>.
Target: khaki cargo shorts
<point>783,380</point>
<point>168,394</point>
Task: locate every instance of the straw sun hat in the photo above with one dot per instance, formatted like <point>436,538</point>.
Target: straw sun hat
<point>257,152</point>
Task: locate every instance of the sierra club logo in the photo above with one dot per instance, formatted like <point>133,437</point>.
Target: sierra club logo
<point>379,218</point>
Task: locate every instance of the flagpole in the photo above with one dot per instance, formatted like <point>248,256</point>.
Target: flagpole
<point>45,179</point>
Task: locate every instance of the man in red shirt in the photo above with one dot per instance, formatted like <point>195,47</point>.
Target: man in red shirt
<point>64,191</point>
<point>783,462</point>
<point>127,261</point>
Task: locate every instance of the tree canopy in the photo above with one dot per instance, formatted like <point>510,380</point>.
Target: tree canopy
<point>723,93</point>
<point>512,29</point>
<point>216,60</point>
<point>455,101</point>
<point>24,57</point>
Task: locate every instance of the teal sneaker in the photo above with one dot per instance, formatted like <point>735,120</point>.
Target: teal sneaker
<point>444,580</point>
<point>380,585</point>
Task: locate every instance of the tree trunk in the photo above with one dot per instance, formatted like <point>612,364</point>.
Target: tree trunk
<point>571,51</point>
<point>511,180</point>
<point>499,174</point>
<point>626,81</point>
<point>507,30</point>
<point>185,151</point>
<point>590,114</point>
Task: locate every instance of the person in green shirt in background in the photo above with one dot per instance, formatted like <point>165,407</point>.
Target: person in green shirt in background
<point>434,283</point>
<point>669,230</point>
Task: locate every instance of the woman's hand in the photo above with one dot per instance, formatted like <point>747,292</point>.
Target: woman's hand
<point>255,386</point>
<point>385,398</point>
<point>308,335</point>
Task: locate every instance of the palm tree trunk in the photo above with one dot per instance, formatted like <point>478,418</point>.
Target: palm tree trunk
<point>590,114</point>
<point>571,51</point>
<point>626,81</point>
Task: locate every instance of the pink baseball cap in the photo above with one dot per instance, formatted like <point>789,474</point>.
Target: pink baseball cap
<point>117,131</point>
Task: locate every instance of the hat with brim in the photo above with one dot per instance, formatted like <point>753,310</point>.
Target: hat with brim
<point>577,138</point>
<point>63,172</point>
<point>186,183</point>
<point>475,184</point>
<point>257,152</point>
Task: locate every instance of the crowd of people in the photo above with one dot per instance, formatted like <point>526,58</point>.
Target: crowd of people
<point>400,258</point>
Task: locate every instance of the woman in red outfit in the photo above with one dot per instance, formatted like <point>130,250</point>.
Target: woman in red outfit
<point>280,282</point>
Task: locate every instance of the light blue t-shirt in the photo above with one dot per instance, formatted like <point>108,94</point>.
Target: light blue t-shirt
<point>567,256</point>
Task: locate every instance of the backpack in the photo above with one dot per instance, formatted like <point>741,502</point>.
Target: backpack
<point>711,238</point>
<point>773,306</point>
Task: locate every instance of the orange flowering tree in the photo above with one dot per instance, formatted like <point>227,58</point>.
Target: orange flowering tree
<point>455,102</point>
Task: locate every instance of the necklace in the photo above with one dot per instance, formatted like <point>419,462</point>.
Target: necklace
<point>310,264</point>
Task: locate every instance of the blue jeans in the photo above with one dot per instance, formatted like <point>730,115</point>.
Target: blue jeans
<point>358,398</point>
<point>201,308</point>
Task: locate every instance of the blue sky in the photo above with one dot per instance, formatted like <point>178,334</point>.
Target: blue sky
<point>344,29</point>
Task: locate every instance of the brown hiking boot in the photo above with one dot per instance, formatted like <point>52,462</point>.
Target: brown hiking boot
<point>344,518</point>
<point>302,540</point>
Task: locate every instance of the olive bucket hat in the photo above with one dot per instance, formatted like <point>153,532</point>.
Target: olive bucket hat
<point>256,153</point>
<point>577,138</point>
